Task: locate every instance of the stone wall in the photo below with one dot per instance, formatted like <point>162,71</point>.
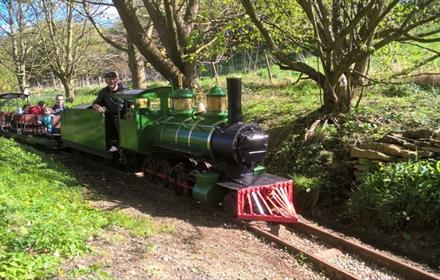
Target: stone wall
<point>393,147</point>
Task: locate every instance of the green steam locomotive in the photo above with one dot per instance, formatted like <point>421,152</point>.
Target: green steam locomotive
<point>214,156</point>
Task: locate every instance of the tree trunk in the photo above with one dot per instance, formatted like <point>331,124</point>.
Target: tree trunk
<point>337,96</point>
<point>69,87</point>
<point>137,66</point>
<point>145,46</point>
<point>190,76</point>
<point>21,77</point>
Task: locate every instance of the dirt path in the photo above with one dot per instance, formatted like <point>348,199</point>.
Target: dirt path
<point>204,245</point>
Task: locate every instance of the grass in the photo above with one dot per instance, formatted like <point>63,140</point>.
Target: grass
<point>43,216</point>
<point>139,226</point>
<point>397,57</point>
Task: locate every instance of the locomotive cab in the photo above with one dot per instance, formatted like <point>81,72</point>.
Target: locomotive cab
<point>145,107</point>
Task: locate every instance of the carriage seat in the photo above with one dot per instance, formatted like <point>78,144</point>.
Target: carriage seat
<point>27,124</point>
<point>5,119</point>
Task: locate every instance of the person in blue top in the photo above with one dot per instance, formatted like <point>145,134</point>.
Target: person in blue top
<point>47,120</point>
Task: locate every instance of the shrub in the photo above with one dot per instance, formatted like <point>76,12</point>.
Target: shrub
<point>399,194</point>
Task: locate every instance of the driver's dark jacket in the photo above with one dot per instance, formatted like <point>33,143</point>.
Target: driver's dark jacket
<point>107,98</point>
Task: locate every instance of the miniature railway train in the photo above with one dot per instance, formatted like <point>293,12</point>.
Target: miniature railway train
<point>214,157</point>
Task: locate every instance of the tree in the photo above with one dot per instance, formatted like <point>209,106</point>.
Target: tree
<point>64,37</point>
<point>173,26</point>
<point>17,38</point>
<point>136,62</point>
<point>343,35</point>
<point>179,35</point>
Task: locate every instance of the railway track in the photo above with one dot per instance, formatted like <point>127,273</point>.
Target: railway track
<point>335,246</point>
<point>325,257</point>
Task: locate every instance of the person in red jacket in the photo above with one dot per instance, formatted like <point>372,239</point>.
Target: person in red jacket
<point>37,109</point>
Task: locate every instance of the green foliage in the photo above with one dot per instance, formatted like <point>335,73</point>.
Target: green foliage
<point>94,271</point>
<point>8,82</point>
<point>43,216</point>
<point>83,95</point>
<point>397,57</point>
<point>306,183</point>
<point>288,24</point>
<point>398,194</point>
<point>225,37</point>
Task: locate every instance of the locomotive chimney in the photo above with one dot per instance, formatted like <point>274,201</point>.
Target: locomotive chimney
<point>234,100</point>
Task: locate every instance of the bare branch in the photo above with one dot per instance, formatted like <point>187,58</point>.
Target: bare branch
<point>99,31</point>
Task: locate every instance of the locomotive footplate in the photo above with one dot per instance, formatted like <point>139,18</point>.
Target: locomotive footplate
<point>249,180</point>
<point>263,197</point>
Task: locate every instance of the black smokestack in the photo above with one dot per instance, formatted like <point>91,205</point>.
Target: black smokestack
<point>234,100</point>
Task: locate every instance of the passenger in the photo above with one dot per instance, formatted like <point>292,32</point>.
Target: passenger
<point>106,102</point>
<point>25,108</point>
<point>47,119</point>
<point>37,109</point>
<point>59,106</point>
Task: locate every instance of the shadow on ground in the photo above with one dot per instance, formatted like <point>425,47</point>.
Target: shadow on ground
<point>124,190</point>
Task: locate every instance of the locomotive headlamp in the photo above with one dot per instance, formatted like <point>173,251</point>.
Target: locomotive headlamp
<point>258,137</point>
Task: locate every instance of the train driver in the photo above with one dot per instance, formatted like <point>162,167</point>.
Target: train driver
<point>106,102</point>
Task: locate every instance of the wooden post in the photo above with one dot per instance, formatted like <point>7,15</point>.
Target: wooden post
<point>268,66</point>
<point>215,72</point>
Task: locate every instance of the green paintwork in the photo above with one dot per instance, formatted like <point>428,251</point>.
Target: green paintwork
<point>259,169</point>
<point>184,113</point>
<point>182,93</point>
<point>135,130</point>
<point>206,189</point>
<point>84,127</point>
<point>144,130</point>
<point>216,91</point>
<point>215,116</point>
<point>185,134</point>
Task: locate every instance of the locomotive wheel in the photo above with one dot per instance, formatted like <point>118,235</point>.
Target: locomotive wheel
<point>149,169</point>
<point>191,179</point>
<point>178,177</point>
<point>122,161</point>
<point>163,174</point>
<point>229,204</point>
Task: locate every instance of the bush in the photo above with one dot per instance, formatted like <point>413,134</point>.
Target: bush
<point>399,194</point>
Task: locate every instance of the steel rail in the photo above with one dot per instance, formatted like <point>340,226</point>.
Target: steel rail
<point>331,270</point>
<point>391,263</point>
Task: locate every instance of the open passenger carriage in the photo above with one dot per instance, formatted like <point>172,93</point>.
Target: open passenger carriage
<point>14,122</point>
